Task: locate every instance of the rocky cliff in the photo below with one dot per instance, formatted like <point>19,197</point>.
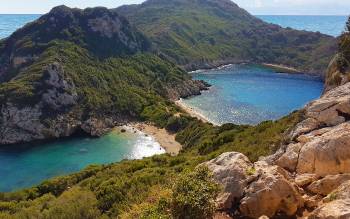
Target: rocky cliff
<point>81,71</point>
<point>309,175</point>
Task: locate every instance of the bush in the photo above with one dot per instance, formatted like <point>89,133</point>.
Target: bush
<point>176,124</point>
<point>194,195</point>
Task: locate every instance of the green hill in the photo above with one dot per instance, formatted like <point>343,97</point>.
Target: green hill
<point>74,71</point>
<point>204,33</point>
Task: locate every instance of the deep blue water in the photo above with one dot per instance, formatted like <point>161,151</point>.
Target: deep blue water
<point>248,94</point>
<point>331,25</point>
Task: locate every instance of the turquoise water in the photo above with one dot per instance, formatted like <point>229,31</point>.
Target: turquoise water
<point>247,94</point>
<point>26,165</point>
<point>331,25</point>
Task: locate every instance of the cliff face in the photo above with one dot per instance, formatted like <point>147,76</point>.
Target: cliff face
<point>74,71</point>
<point>309,175</point>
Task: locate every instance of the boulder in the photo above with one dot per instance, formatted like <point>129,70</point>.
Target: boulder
<point>289,159</point>
<point>336,205</point>
<point>305,179</point>
<point>233,171</point>
<point>328,184</point>
<point>327,152</point>
<point>273,192</point>
<point>332,108</point>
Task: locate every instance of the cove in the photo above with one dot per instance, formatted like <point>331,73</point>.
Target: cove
<point>250,94</point>
<point>23,166</point>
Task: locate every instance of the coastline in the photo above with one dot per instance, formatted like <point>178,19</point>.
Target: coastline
<point>279,68</point>
<point>282,68</point>
<point>193,112</point>
<point>164,138</point>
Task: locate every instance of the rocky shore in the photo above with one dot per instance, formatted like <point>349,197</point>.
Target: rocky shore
<point>308,177</point>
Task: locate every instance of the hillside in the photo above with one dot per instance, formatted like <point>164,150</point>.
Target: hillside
<point>307,174</point>
<point>81,71</point>
<point>205,33</point>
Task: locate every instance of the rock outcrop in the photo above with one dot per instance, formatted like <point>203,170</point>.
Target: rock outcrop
<point>310,173</point>
<point>19,124</point>
<point>336,205</point>
<point>254,190</point>
<point>273,192</point>
<point>234,172</point>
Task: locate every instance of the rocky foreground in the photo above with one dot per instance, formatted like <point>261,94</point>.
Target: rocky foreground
<point>309,176</point>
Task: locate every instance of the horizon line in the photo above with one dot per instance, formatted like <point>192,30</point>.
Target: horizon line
<point>251,14</point>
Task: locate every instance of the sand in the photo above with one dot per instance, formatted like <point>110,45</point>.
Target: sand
<point>163,137</point>
<point>192,112</point>
<point>282,68</point>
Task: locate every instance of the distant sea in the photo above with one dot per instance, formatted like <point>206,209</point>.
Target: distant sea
<point>328,24</point>
<point>9,23</point>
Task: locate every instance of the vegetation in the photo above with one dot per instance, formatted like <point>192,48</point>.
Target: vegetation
<point>344,49</point>
<point>195,33</point>
<point>339,69</point>
<point>135,83</point>
<point>158,187</point>
<point>194,195</point>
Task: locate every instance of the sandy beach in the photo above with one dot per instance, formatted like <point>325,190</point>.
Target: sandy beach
<point>281,68</point>
<point>192,112</point>
<point>163,137</point>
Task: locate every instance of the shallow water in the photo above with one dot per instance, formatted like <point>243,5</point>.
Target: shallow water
<point>26,165</point>
<point>250,94</point>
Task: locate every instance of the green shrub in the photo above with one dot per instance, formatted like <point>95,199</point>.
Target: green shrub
<point>194,195</point>
<point>177,123</point>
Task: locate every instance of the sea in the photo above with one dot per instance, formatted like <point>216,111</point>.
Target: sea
<point>241,94</point>
<point>250,94</point>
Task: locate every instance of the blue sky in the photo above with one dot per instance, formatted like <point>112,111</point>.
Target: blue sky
<point>294,7</point>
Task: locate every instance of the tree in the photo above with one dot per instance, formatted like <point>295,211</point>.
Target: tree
<point>194,195</point>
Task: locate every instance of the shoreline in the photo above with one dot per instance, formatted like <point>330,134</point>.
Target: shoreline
<point>164,138</point>
<point>282,68</point>
<point>278,68</point>
<point>192,112</point>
